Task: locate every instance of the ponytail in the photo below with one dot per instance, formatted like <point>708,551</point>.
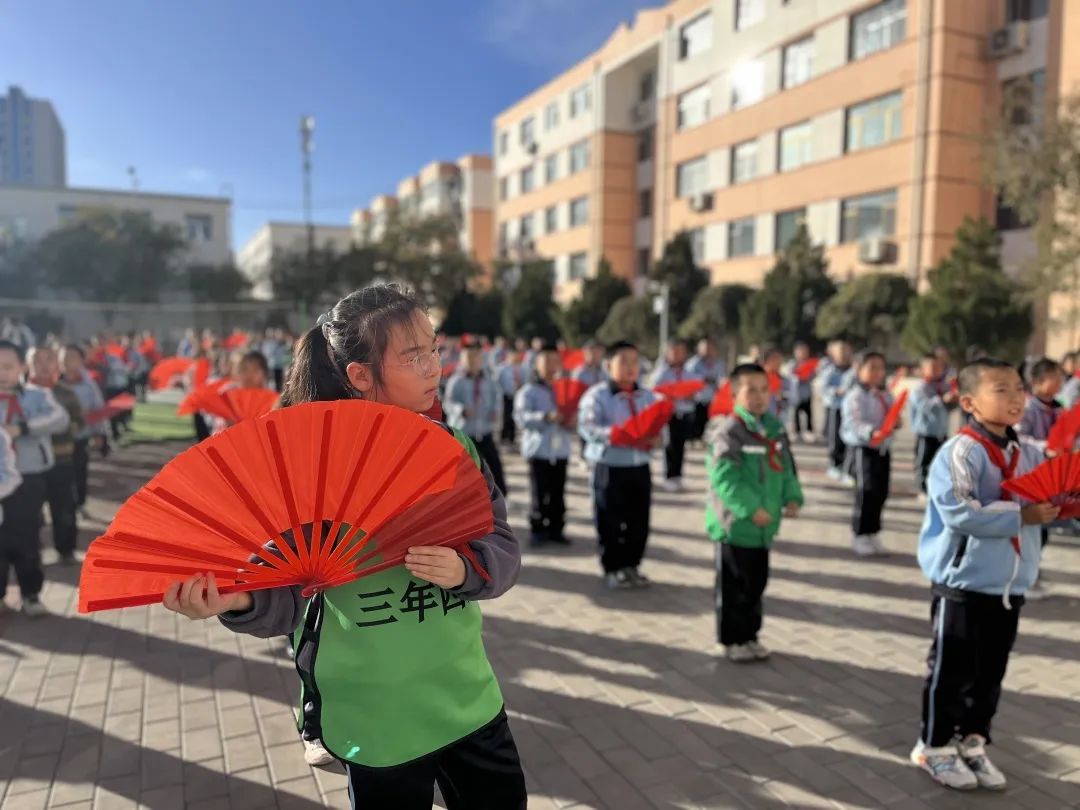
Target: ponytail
<point>355,330</point>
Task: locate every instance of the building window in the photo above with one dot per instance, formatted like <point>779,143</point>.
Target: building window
<point>693,107</point>
<point>644,261</point>
<point>579,157</point>
<point>645,145</point>
<point>744,161</point>
<point>1006,218</point>
<point>878,28</point>
<point>504,142</point>
<point>1025,99</point>
<point>579,211</point>
<point>645,203</point>
<point>796,146</point>
<point>747,83</point>
<point>748,12</point>
<point>579,265</point>
<point>580,100</point>
<point>696,36</point>
<point>551,219</point>
<point>504,188</point>
<point>525,131</point>
<point>551,116</point>
<point>647,86</point>
<point>691,177</point>
<point>798,62</point>
<point>551,168</point>
<point>873,122</point>
<point>199,227</point>
<point>740,238</point>
<point>787,225</point>
<point>867,216</point>
<point>1018,10</point>
<point>697,245</point>
<point>525,229</point>
<point>526,179</point>
<point>503,239</point>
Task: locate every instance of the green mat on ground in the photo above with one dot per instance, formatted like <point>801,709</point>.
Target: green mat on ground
<point>157,422</point>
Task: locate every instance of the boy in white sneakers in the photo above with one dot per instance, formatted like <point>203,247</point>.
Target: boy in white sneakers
<point>980,550</point>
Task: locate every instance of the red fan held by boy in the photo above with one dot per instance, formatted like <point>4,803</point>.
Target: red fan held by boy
<point>680,389</point>
<point>891,420</point>
<point>314,495</point>
<point>1056,481</point>
<point>568,393</point>
<point>723,402</point>
<point>1064,433</point>
<point>643,428</point>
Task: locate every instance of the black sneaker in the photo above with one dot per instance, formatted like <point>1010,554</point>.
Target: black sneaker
<point>559,539</point>
<point>68,559</point>
<point>637,579</point>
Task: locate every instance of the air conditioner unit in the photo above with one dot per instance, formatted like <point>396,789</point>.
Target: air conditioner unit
<point>701,202</point>
<point>876,250</point>
<point>1007,41</point>
<point>531,147</point>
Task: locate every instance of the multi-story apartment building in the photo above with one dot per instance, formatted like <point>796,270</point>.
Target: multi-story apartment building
<point>461,190</point>
<point>33,150</point>
<point>256,257</point>
<point>737,120</point>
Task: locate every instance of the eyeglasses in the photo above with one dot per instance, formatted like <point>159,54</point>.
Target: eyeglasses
<point>424,363</point>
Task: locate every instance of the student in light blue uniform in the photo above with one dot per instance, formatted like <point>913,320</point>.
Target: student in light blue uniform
<point>1070,391</point>
<point>510,377</point>
<point>592,370</point>
<point>705,365</point>
<point>800,394</point>
<point>835,377</point>
<point>980,549</point>
<point>674,369</point>
<point>546,438</point>
<point>78,379</point>
<point>472,406</point>
<point>928,408</point>
<point>621,482</point>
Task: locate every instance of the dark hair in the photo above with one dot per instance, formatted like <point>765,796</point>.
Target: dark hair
<point>355,330</point>
<point>14,347</point>
<point>549,347</point>
<point>1043,368</point>
<point>259,359</point>
<point>771,351</point>
<point>971,374</point>
<point>74,347</point>
<point>868,355</point>
<point>928,357</point>
<point>744,370</point>
<point>680,342</point>
<point>620,345</point>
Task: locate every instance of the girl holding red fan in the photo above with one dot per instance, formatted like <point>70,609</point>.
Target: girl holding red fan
<point>862,417</point>
<point>621,482</point>
<point>681,427</point>
<point>406,695</point>
<point>546,438</point>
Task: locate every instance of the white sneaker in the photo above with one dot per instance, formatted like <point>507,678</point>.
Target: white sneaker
<point>945,766</point>
<point>847,481</point>
<point>759,650</point>
<point>878,546</point>
<point>32,608</point>
<point>315,754</point>
<point>739,653</point>
<point>973,750</point>
<point>834,474</point>
<point>809,437</point>
<point>672,485</point>
<point>863,546</point>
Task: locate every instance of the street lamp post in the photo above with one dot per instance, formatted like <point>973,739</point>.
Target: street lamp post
<point>661,291</point>
<point>307,131</point>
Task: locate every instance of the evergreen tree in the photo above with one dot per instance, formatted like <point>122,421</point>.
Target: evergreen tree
<point>632,319</point>
<point>869,311</point>
<point>586,313</point>
<point>684,278</point>
<point>528,310</point>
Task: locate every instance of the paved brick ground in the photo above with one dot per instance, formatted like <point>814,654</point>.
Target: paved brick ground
<point>617,700</point>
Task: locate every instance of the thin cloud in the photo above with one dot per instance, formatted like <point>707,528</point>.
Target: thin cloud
<point>197,174</point>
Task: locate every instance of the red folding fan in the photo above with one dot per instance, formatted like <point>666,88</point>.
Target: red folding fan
<point>203,398</point>
<point>1056,481</point>
<point>680,389</point>
<point>776,382</point>
<point>806,370</point>
<point>644,426</point>
<point>572,358</point>
<point>116,350</point>
<point>248,403</point>
<point>119,404</point>
<point>357,483</point>
<point>237,340</point>
<point>166,372</point>
<point>568,394</point>
<point>892,418</point>
<point>723,402</point>
<point>1062,436</point>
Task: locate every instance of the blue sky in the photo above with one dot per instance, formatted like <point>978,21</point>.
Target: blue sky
<point>203,96</point>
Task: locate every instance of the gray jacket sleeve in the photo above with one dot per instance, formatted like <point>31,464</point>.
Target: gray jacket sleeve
<point>274,611</point>
<point>499,553</point>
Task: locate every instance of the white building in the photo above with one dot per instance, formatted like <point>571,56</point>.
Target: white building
<point>256,256</point>
<point>32,146</point>
<point>28,213</point>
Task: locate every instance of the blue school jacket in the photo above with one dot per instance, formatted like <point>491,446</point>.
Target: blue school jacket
<point>42,416</point>
<point>511,377</point>
<point>540,438</point>
<point>604,406</point>
<point>480,396</point>
<point>927,411</point>
<point>711,371</point>
<point>835,381</point>
<point>590,375</point>
<point>862,413</point>
<point>90,398</point>
<point>668,374</point>
<point>1034,426</point>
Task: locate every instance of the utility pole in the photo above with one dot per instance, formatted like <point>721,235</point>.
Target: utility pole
<point>307,131</point>
<point>134,175</point>
<point>662,307</point>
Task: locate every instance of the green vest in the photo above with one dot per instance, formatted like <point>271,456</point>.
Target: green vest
<point>400,668</point>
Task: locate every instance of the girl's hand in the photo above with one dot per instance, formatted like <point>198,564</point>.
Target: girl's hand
<point>791,510</point>
<point>438,565</point>
<point>189,598</point>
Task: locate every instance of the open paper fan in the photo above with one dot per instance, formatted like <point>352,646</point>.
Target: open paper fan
<point>680,389</point>
<point>1062,436</point>
<point>568,394</point>
<point>166,371</point>
<point>643,426</point>
<point>114,407</point>
<point>1056,481</point>
<point>776,383</point>
<point>236,340</point>
<point>116,350</point>
<point>200,398</point>
<point>248,403</point>
<point>806,370</point>
<point>723,402</point>
<point>356,482</point>
<point>572,358</point>
<point>892,418</point>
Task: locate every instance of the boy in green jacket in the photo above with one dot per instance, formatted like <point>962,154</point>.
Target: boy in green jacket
<point>753,482</point>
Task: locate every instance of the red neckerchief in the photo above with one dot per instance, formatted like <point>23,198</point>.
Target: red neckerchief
<point>997,458</point>
<point>772,445</point>
<point>14,408</point>
<point>882,399</point>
